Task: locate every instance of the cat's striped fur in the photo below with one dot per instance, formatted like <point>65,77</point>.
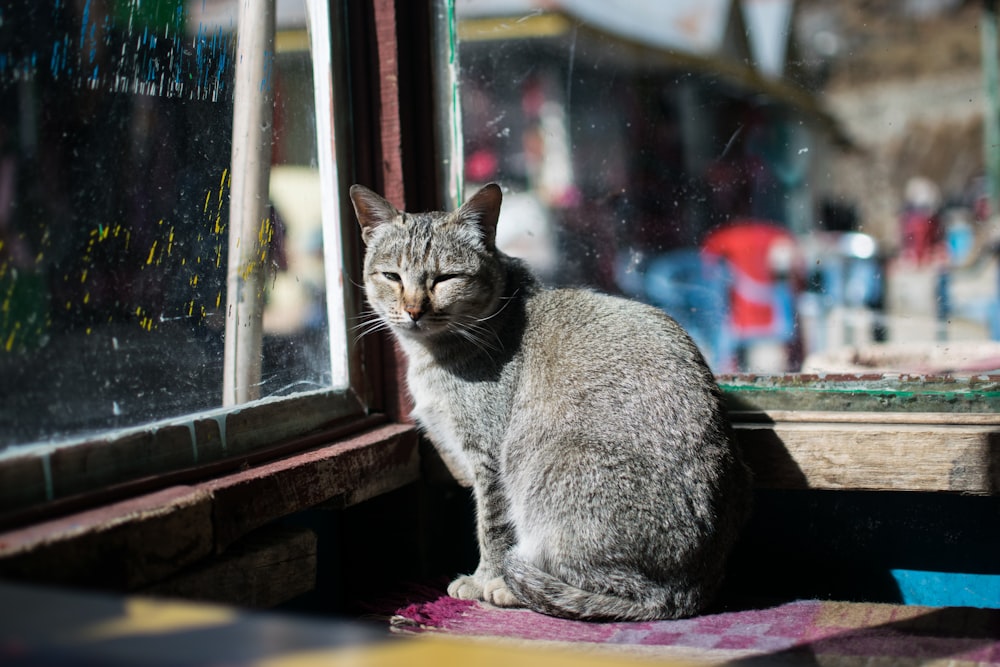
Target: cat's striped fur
<point>606,480</point>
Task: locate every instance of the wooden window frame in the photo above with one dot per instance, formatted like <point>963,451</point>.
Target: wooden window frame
<point>368,449</point>
<point>46,479</point>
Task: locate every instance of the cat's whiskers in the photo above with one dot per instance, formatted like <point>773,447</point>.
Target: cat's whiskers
<point>507,301</point>
<point>364,315</point>
<point>470,329</point>
<point>370,323</point>
<point>484,346</point>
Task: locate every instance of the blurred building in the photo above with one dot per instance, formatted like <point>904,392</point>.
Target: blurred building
<point>635,129</point>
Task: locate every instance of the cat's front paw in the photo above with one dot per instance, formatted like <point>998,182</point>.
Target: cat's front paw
<point>475,587</point>
<point>497,593</point>
<point>467,587</point>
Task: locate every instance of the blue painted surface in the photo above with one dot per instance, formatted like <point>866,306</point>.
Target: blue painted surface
<point>948,589</point>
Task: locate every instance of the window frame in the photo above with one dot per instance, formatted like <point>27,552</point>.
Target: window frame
<point>49,479</point>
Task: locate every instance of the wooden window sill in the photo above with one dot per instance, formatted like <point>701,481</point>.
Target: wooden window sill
<point>858,451</point>
<point>134,543</point>
<point>872,451</point>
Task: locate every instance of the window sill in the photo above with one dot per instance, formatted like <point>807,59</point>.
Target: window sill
<point>136,542</point>
<point>857,451</point>
<point>872,451</point>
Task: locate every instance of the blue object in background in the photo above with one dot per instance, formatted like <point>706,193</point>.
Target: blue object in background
<point>871,546</point>
<point>948,589</point>
<point>695,292</point>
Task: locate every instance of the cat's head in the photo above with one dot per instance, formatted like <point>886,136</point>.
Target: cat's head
<point>432,273</point>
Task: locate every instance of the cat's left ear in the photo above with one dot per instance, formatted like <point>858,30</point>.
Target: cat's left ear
<point>483,210</point>
<point>372,210</point>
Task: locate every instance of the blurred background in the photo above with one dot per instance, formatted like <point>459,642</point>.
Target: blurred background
<point>804,185</point>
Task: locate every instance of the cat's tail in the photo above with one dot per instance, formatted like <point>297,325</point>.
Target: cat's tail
<point>547,594</point>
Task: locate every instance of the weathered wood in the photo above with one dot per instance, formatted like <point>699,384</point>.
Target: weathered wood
<point>878,418</point>
<point>264,569</point>
<point>138,542</point>
<point>136,455</point>
<point>120,546</point>
<point>883,457</point>
<point>390,130</point>
<point>357,468</point>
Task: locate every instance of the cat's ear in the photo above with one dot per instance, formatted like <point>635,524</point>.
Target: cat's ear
<point>483,210</point>
<point>372,210</point>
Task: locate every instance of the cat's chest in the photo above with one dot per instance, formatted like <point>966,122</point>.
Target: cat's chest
<point>457,416</point>
<point>434,409</point>
<point>436,416</point>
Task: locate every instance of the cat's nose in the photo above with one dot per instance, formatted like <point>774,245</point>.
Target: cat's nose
<point>415,312</point>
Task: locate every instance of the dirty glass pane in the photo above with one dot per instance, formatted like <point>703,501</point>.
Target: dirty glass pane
<point>806,186</point>
<point>115,143</point>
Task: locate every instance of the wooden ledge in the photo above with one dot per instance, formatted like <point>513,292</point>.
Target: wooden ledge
<point>136,542</point>
<point>929,452</point>
<point>356,469</point>
<point>873,452</point>
<point>878,418</point>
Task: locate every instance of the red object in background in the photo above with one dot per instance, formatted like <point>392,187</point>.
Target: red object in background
<point>921,235</point>
<point>481,166</point>
<point>748,246</point>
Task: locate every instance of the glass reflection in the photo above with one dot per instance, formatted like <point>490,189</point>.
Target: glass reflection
<point>801,184</point>
<point>115,143</point>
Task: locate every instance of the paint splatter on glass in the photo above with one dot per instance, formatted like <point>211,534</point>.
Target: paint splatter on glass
<point>115,146</point>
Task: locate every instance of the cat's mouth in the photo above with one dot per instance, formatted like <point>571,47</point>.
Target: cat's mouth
<point>420,327</point>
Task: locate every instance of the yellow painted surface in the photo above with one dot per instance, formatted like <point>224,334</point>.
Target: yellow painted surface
<point>143,616</point>
<point>538,25</point>
<point>444,652</point>
<point>48,624</point>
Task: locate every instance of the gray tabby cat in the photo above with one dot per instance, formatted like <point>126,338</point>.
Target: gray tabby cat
<point>606,482</point>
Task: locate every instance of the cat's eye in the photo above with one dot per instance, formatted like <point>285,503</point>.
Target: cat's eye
<point>444,277</point>
<point>392,277</point>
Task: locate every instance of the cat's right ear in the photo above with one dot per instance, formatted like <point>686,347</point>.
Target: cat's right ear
<point>483,210</point>
<point>372,210</point>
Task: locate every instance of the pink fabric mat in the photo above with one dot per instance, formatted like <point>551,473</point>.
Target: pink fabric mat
<point>797,632</point>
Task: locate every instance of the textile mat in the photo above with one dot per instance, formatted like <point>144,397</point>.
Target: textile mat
<point>806,632</point>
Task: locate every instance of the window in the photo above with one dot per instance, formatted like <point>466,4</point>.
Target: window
<point>623,143</point>
<point>172,286</point>
<point>807,187</point>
